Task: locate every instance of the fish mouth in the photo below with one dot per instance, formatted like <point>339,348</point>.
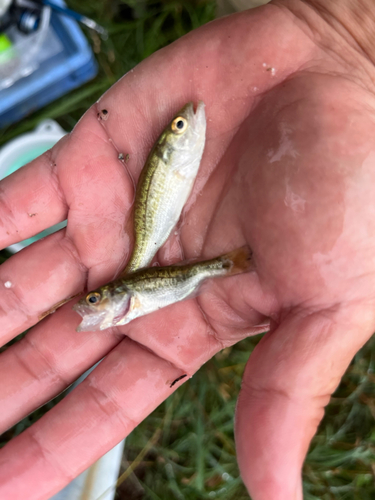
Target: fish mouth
<point>193,116</point>
<point>200,119</point>
<point>81,309</point>
<point>200,109</point>
<point>197,121</point>
<point>91,321</point>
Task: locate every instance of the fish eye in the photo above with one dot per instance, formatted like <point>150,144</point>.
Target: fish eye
<point>93,298</point>
<point>179,125</point>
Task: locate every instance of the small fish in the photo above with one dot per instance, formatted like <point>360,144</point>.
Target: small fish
<point>148,290</point>
<point>166,182</point>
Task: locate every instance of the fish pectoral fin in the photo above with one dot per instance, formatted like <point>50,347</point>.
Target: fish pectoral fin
<point>180,175</point>
<point>129,306</point>
<point>135,303</point>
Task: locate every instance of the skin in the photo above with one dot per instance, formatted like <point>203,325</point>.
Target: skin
<point>289,168</point>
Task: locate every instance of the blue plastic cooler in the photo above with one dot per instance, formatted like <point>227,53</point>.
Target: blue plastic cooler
<point>70,64</point>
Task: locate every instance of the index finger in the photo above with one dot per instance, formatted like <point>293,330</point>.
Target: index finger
<point>31,199</point>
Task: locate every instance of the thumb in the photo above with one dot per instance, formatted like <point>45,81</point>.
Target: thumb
<point>287,382</point>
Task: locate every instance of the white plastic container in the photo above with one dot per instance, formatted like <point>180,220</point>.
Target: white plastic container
<point>98,482</point>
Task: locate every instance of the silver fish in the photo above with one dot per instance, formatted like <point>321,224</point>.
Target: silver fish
<point>166,182</point>
<point>148,290</point>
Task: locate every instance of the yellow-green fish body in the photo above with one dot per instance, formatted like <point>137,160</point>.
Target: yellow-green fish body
<point>166,182</point>
<point>148,290</point>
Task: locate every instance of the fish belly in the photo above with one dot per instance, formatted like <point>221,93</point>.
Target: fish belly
<point>150,301</point>
<point>165,208</point>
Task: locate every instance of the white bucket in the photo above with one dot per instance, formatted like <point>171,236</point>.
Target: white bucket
<point>25,148</point>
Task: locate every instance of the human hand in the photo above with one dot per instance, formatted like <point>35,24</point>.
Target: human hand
<point>287,169</point>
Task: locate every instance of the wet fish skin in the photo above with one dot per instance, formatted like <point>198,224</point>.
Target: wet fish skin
<point>150,289</point>
<point>166,182</point>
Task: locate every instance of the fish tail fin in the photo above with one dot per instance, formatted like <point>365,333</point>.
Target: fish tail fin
<point>239,260</point>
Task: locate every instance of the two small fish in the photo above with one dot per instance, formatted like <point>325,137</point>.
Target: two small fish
<point>162,191</point>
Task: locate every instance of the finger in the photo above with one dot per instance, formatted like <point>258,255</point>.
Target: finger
<point>31,200</point>
<point>36,278</point>
<point>100,195</point>
<point>53,354</point>
<point>46,361</point>
<point>82,167</point>
<point>116,396</point>
<point>179,334</point>
<point>287,382</point>
<point>236,307</point>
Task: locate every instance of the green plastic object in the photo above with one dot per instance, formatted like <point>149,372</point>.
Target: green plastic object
<point>7,51</point>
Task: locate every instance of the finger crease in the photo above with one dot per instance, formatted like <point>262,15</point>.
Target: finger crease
<point>54,177</point>
<point>259,392</point>
<point>50,457</point>
<point>48,363</point>
<point>182,369</point>
<point>211,330</point>
<point>70,248</point>
<point>7,213</point>
<point>102,399</point>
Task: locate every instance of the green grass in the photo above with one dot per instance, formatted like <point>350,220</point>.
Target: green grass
<point>185,448</point>
<point>194,456</point>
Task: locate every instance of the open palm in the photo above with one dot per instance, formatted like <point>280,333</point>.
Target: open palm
<point>288,168</point>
